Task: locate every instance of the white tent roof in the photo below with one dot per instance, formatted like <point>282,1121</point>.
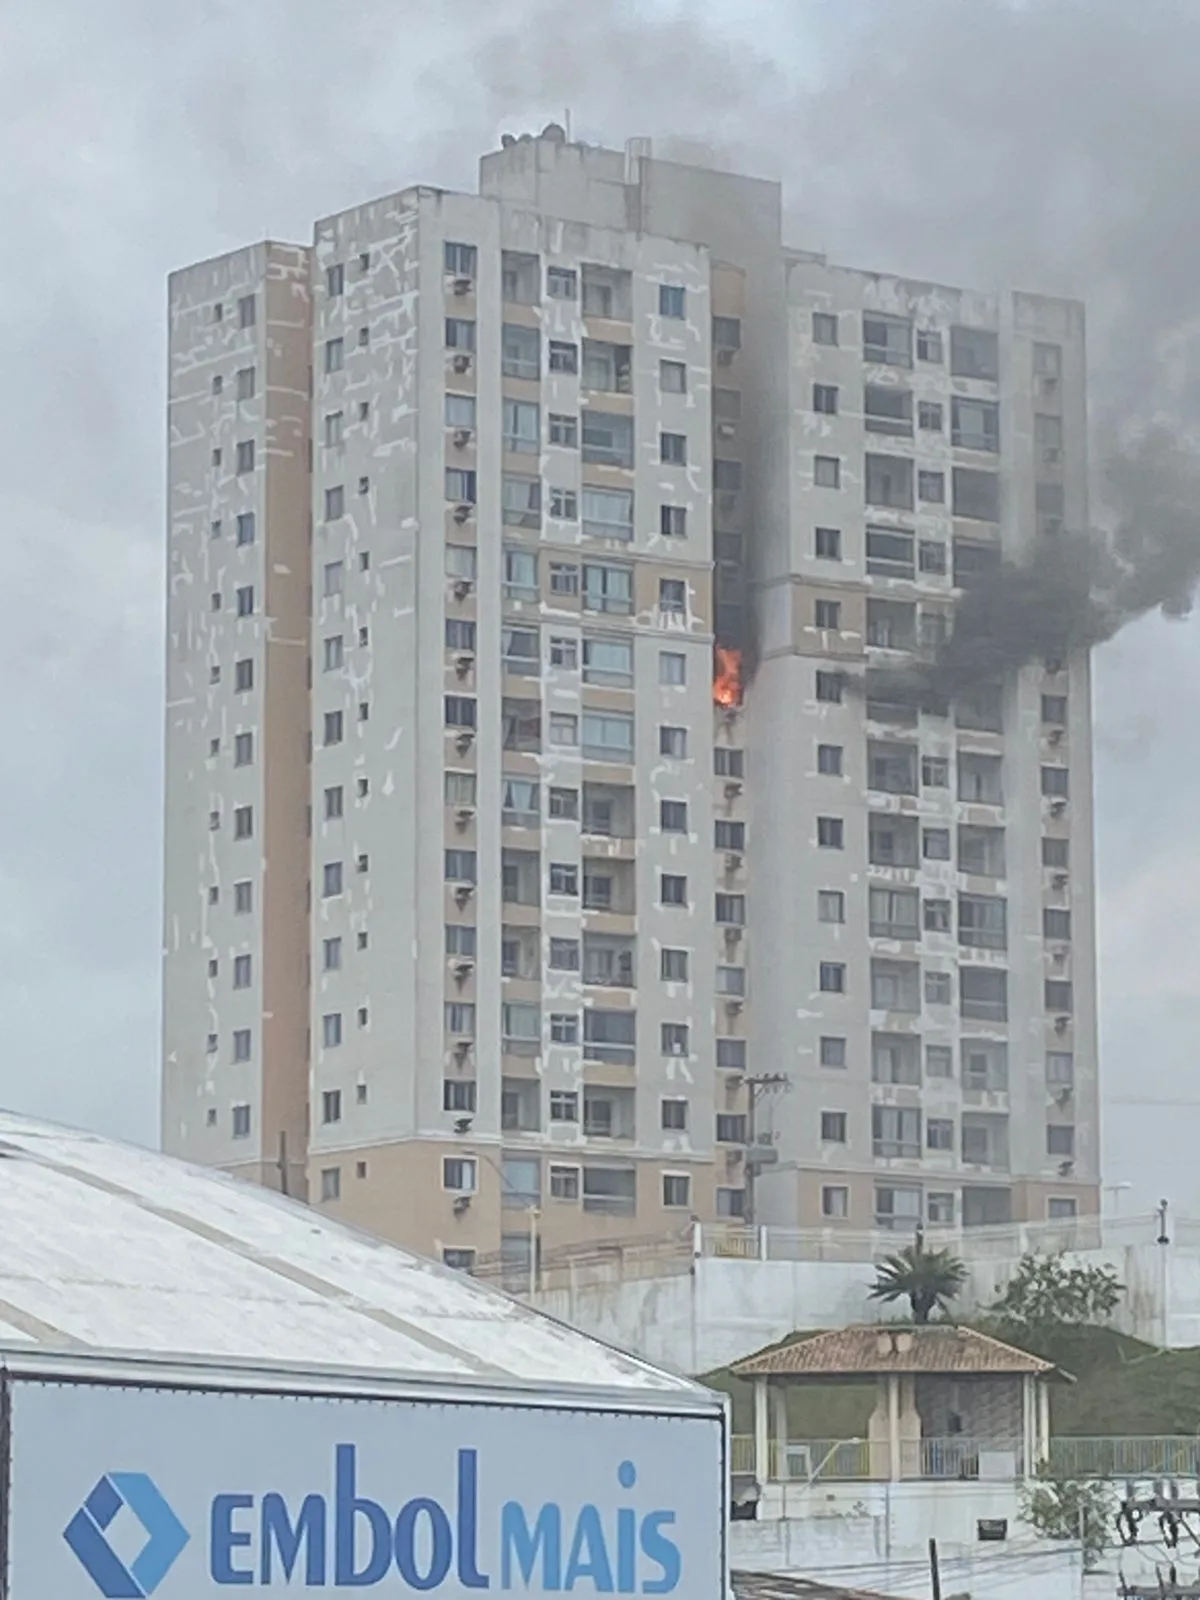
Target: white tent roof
<point>108,1248</point>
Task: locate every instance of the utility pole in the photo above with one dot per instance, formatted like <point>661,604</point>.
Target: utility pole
<point>282,1163</point>
<point>935,1571</point>
<point>1175,1520</point>
<point>759,1084</point>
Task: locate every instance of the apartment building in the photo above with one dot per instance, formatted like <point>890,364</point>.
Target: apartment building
<point>583,515</point>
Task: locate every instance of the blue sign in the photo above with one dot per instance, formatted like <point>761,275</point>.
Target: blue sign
<point>165,1536</point>
<point>349,1540</point>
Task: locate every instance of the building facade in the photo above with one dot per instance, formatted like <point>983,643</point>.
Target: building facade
<point>581,513</point>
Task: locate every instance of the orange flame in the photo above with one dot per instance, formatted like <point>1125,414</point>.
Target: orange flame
<point>727,676</point>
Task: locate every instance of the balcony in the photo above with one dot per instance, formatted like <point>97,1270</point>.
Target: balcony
<point>610,1036</point>
<point>609,885</point>
<point>609,961</point>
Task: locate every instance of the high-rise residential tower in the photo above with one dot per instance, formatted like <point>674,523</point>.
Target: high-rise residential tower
<point>533,802</point>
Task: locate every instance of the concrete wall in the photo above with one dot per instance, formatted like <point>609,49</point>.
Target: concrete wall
<point>724,1309</point>
<point>876,1537</point>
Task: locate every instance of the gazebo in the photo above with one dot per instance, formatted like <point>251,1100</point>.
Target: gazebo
<point>951,1403</point>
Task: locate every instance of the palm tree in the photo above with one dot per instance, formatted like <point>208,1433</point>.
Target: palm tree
<point>927,1279</point>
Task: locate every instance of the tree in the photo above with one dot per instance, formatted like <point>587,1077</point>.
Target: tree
<point>1044,1293</point>
<point>1069,1508</point>
<point>927,1279</point>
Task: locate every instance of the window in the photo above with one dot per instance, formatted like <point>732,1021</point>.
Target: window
<point>460,634</point>
<point>243,822</point>
<point>976,494</point>
<point>827,472</point>
<point>930,416</point>
<point>241,1044</point>
<point>335,350</point>
<point>672,377</point>
<point>825,399</point>
<point>564,803</point>
<point>331,955</point>
<point>895,1132</point>
<point>564,357</point>
<point>459,1017</point>
<point>731,1054</point>
<point>564,955</point>
<point>607,438</point>
<point>245,455</point>
<point>731,981</point>
<point>334,727</point>
<point>459,260</point>
<point>521,501</point>
<point>240,1120</point>
<point>672,596</point>
<point>931,487</point>
<point>520,573</point>
<point>564,505</point>
<point>1056,924</point>
<point>729,835</point>
<point>672,300</point>
<point>243,897</point>
<point>892,768</point>
<point>829,760</point>
<point>674,1038</point>
<point>564,1028</point>
<point>564,652</point>
<point>832,977</point>
<point>887,340</point>
<point>889,554</point>
<point>895,986</point>
<point>564,578</point>
<point>607,589</point>
<point>244,601</point>
<point>673,966</point>
<point>937,916</point>
<point>939,1061</point>
<point>460,335</point>
<point>672,449</point>
<point>935,844</point>
<point>731,1127</point>
<point>829,687</point>
<point>1059,1209</point>
<point>835,1201</point>
<point>831,833</point>
<point>335,502</point>
<point>564,728</point>
<point>1056,782</point>
<point>564,430</point>
<point>935,772</point>
<point>975,424</point>
<point>831,905</point>
<point>1059,995</point>
<point>833,1127</point>
<point>983,993</point>
<point>939,1133</point>
<point>1056,853</point>
<point>726,333</point>
<point>938,989</point>
<point>672,889</point>
<point>827,544</point>
<point>889,482</point>
<point>521,427</point>
<point>561,283</point>
<point>564,1105</point>
<point>245,528</point>
<point>607,736</point>
<point>894,914</point>
<point>832,1051</point>
<point>243,749</point>
<point>731,1202</point>
<point>608,514</point>
<point>460,412</point>
<point>974,353</point>
<point>1060,1140</point>
<point>331,878</point>
<point>459,1174</point>
<point>520,352</point>
<point>730,909</point>
<point>824,327</point>
<point>888,410</point>
<point>334,578</point>
<point>520,277</point>
<point>676,1189</point>
<point>564,878</point>
<point>827,614</point>
<point>673,816</point>
<point>672,742</point>
<point>932,556</point>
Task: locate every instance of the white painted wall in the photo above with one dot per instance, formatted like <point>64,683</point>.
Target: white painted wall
<point>726,1309</point>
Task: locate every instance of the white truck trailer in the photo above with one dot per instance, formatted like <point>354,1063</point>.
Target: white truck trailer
<point>204,1388</point>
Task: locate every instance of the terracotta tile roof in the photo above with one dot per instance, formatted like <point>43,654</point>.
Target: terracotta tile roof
<point>884,1347</point>
<point>778,1586</point>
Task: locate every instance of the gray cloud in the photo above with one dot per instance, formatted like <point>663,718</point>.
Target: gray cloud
<point>1047,145</point>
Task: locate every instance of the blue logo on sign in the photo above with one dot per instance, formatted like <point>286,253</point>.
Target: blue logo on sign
<point>165,1536</point>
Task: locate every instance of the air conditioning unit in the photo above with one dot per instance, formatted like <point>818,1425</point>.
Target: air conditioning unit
<point>1065,1168</point>
<point>726,430</point>
<point>1059,958</point>
<point>734,1158</point>
<point>462,588</point>
<point>463,892</point>
<point>733,788</point>
<point>734,1006</point>
<point>462,1049</point>
<point>463,285</point>
<point>462,362</point>
<point>1059,880</point>
<point>462,511</point>
<point>733,861</point>
<point>1061,1024</point>
<point>463,970</point>
<point>1047,386</point>
<point>463,815</point>
<point>1057,807</point>
<point>725,355</point>
<point>1064,1096</point>
<point>463,665</point>
<point>1055,736</point>
<point>462,1202</point>
<point>727,502</point>
<point>1053,665</point>
<point>462,438</point>
<point>733,934</point>
<point>464,741</point>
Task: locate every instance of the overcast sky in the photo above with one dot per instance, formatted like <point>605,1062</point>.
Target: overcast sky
<point>1049,146</point>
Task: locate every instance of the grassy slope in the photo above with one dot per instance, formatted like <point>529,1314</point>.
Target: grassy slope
<point>1123,1387</point>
